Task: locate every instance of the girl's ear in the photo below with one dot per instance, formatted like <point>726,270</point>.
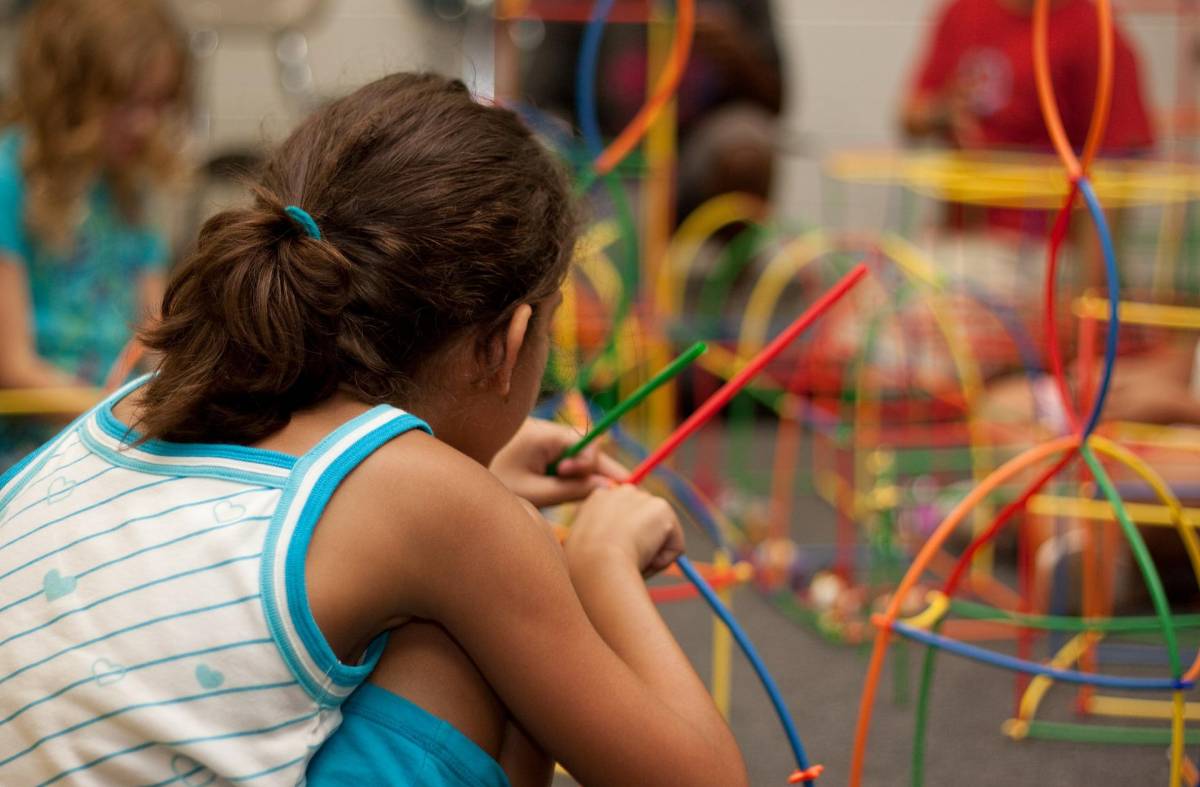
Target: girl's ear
<point>514,340</point>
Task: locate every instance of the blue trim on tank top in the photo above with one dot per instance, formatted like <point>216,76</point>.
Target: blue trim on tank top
<point>113,427</point>
<point>12,472</point>
<point>43,454</point>
<point>301,618</point>
<point>297,551</point>
<point>222,472</point>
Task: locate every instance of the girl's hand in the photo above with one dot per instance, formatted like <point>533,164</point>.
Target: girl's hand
<point>626,523</point>
<point>521,465</point>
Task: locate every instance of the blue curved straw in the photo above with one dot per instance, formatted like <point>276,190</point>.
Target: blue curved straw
<point>721,611</point>
<point>1114,296</point>
<point>545,124</point>
<point>1033,668</point>
<point>585,78</point>
<point>681,489</point>
<point>585,103</point>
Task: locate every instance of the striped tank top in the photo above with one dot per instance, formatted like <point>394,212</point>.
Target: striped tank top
<point>154,624</point>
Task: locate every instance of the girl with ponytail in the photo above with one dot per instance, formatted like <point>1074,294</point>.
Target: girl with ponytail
<point>307,547</point>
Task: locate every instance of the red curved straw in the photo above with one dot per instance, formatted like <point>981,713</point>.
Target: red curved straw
<point>1001,519</point>
<point>1075,170</point>
<point>1057,235</point>
<point>739,381</point>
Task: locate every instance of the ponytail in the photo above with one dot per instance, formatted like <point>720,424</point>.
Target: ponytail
<point>434,217</point>
<point>249,328</point>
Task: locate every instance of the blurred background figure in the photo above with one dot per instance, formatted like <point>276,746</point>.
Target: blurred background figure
<point>728,104</point>
<point>975,88</point>
<point>94,123</point>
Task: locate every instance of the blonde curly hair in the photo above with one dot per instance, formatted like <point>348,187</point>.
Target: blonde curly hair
<point>78,62</point>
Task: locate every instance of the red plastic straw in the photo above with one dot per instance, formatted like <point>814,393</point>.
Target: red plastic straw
<point>1057,235</point>
<point>736,383</point>
<point>1001,519</point>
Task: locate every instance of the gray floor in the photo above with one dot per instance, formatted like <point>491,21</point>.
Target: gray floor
<point>822,684</point>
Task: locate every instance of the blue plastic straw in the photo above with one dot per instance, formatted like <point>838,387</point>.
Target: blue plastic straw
<point>585,78</point>
<point>1033,668</point>
<point>1114,296</point>
<point>721,611</point>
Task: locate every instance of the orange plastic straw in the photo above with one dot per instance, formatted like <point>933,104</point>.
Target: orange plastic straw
<point>668,83</point>
<point>1104,83</point>
<point>939,536</point>
<point>1045,87</point>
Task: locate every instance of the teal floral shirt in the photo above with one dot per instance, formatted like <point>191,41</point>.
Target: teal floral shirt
<point>85,301</point>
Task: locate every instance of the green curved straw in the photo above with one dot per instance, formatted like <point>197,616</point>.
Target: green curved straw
<point>1089,733</point>
<point>969,609</point>
<point>922,713</point>
<point>1162,618</point>
<point>1140,554</point>
<point>737,254</point>
<point>715,289</point>
<point>669,371</point>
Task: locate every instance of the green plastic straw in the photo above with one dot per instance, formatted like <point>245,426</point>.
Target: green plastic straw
<point>1086,733</point>
<point>1141,556</point>
<point>970,609</point>
<point>669,371</point>
<point>922,715</point>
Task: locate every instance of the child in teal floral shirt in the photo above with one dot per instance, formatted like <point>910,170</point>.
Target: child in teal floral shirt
<point>100,87</point>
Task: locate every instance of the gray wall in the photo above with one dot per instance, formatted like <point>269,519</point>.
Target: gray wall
<point>848,62</point>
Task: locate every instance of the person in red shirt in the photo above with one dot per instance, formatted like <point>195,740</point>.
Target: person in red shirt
<point>975,87</point>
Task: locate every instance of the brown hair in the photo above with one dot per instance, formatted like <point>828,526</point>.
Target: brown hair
<point>438,215</point>
<point>77,61</point>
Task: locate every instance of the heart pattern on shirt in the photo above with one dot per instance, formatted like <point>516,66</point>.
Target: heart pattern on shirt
<point>107,672</point>
<point>208,677</point>
<point>191,772</point>
<point>226,511</point>
<point>59,489</point>
<point>55,585</point>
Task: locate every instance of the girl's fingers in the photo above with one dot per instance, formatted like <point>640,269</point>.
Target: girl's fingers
<point>593,461</point>
<point>549,491</point>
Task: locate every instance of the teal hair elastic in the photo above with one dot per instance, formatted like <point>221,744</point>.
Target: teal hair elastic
<point>301,217</point>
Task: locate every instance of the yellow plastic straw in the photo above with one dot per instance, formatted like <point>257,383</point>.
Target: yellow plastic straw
<point>699,226</point>
<point>48,401</point>
<point>1151,514</point>
<point>1133,708</point>
<point>939,605</point>
<point>1037,689</point>
<point>1134,313</point>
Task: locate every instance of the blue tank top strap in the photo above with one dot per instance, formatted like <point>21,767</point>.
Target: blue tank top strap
<point>285,600</point>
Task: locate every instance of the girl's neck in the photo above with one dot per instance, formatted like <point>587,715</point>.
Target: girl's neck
<point>452,420</point>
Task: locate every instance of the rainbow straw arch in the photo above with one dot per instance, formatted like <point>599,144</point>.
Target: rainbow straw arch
<point>1080,443</point>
